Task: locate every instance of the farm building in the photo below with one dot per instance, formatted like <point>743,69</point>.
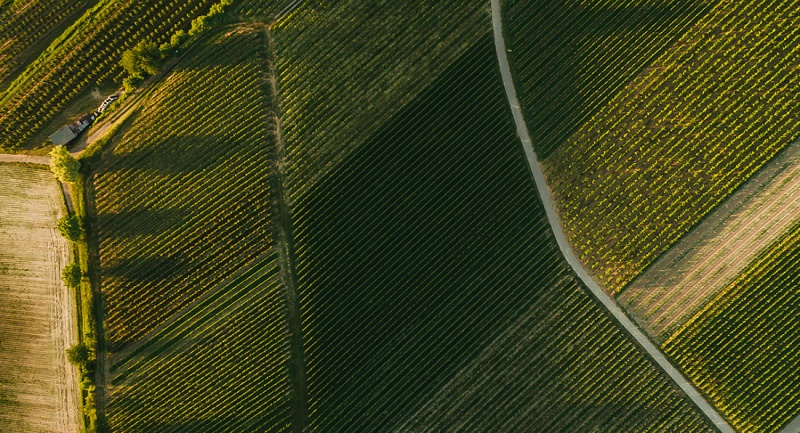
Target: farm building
<point>69,132</point>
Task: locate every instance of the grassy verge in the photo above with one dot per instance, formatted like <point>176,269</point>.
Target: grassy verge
<point>87,307</point>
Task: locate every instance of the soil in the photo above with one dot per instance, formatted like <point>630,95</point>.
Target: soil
<point>37,317</point>
<point>715,252</point>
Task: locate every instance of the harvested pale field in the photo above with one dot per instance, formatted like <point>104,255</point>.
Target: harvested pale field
<point>709,257</point>
<point>38,388</point>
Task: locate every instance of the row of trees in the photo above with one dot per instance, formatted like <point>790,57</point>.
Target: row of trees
<point>146,57</point>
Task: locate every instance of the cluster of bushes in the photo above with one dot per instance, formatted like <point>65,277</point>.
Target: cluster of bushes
<point>63,165</point>
<point>146,57</point>
<point>83,356</point>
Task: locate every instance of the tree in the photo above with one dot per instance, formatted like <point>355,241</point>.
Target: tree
<point>71,275</point>
<point>70,227</point>
<point>142,60</point>
<point>179,39</point>
<point>64,165</point>
<point>78,354</point>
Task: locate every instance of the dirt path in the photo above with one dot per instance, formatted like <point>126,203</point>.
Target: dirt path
<point>555,223</point>
<point>29,159</point>
<point>284,243</point>
<point>703,262</point>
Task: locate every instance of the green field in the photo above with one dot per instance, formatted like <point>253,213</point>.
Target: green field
<point>326,222</point>
<point>24,25</point>
<point>346,67</point>
<point>88,52</point>
<point>691,120</point>
<point>38,389</point>
<point>195,318</point>
<point>425,252</point>
<point>742,349</point>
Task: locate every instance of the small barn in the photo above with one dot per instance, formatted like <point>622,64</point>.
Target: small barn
<point>63,136</point>
<point>69,132</point>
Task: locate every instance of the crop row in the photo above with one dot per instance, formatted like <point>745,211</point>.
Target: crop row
<point>422,252</point>
<point>346,67</point>
<point>183,199</point>
<point>21,25</point>
<point>195,310</point>
<point>666,149</point>
<point>742,349</point>
<point>571,59</point>
<point>219,368</point>
<point>91,54</point>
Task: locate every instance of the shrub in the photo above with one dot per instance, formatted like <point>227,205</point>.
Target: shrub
<point>63,165</point>
<point>71,275</point>
<point>70,227</point>
<point>78,354</point>
<point>142,60</point>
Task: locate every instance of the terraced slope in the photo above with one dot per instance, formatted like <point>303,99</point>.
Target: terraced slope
<point>658,155</point>
<point>434,296</point>
<point>195,307</point>
<point>38,388</point>
<point>742,348</point>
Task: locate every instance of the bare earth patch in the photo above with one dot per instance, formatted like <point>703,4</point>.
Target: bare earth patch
<point>684,279</point>
<point>38,388</point>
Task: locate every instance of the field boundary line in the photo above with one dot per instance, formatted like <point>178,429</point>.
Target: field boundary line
<point>217,291</point>
<point>283,238</point>
<point>552,218</point>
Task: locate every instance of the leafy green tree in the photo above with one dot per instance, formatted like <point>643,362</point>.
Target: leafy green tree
<point>199,25</point>
<point>70,227</point>
<point>179,39</point>
<point>142,60</point>
<point>78,354</point>
<point>71,275</point>
<point>64,165</point>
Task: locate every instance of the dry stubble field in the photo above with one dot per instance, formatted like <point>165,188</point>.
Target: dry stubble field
<point>37,386</point>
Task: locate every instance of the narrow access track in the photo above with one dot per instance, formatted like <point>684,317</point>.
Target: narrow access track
<point>552,217</point>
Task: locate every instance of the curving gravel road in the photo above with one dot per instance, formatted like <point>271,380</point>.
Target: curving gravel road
<point>555,224</point>
<point>793,426</point>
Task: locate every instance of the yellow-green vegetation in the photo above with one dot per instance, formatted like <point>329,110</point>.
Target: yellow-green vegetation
<point>433,295</point>
<point>63,165</point>
<point>87,52</point>
<point>743,349</point>
<point>24,24</point>
<point>195,302</point>
<point>635,175</point>
<point>347,67</point>
<point>38,389</point>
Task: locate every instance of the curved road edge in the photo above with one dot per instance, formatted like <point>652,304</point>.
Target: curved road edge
<point>552,218</point>
<point>793,426</point>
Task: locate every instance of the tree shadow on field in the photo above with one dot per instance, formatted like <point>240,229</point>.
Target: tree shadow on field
<point>147,269</point>
<point>569,60</point>
<point>138,222</point>
<point>175,155</point>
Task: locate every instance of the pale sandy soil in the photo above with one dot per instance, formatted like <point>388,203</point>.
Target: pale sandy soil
<point>38,388</point>
<point>709,257</point>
